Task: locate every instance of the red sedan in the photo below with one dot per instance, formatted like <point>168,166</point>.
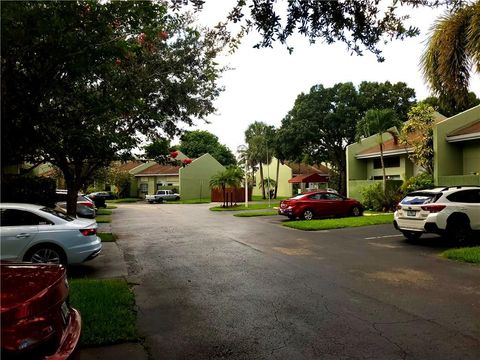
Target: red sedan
<point>37,321</point>
<point>319,204</point>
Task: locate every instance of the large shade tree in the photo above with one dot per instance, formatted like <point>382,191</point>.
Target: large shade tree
<point>198,142</point>
<point>84,81</point>
<point>323,122</point>
<point>453,52</point>
<point>359,24</point>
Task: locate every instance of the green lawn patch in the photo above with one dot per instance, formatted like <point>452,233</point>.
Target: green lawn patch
<point>111,206</point>
<point>107,237</point>
<point>107,309</point>
<point>190,201</point>
<point>468,254</point>
<point>259,198</point>
<point>242,207</point>
<point>256,213</point>
<point>124,200</point>
<point>324,224</point>
<point>103,219</point>
<point>104,212</point>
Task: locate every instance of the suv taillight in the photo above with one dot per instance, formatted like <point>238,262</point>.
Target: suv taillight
<point>88,232</point>
<point>434,208</point>
<point>88,204</point>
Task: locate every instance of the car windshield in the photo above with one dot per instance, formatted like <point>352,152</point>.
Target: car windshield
<point>57,213</point>
<point>419,198</point>
<point>297,197</point>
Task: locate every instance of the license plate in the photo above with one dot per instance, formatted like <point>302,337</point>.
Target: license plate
<point>65,313</point>
<point>411,213</point>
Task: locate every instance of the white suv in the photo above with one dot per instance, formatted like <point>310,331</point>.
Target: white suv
<point>453,211</point>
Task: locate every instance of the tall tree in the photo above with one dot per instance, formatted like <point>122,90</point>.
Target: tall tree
<point>232,176</point>
<point>323,122</point>
<point>453,47</point>
<point>159,150</point>
<point>378,122</point>
<point>260,139</point>
<point>359,24</point>
<point>198,142</point>
<point>82,81</point>
<point>448,107</point>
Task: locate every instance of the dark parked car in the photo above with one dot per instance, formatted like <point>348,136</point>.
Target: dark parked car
<point>37,320</point>
<point>99,197</point>
<point>319,204</point>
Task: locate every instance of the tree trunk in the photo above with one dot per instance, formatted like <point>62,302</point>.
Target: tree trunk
<point>72,195</point>
<point>276,178</point>
<point>262,184</point>
<point>383,171</point>
<point>225,201</point>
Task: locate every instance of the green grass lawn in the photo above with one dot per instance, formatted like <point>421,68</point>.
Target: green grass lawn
<point>259,198</point>
<point>324,224</point>
<point>111,207</point>
<point>103,219</point>
<point>124,200</point>
<point>256,213</point>
<point>190,201</point>
<point>104,212</point>
<point>468,254</point>
<point>107,310</point>
<point>242,207</point>
<point>107,237</point>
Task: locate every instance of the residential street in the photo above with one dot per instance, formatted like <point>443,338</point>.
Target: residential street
<point>214,286</point>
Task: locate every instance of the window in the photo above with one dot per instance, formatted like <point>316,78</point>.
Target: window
<point>330,196</point>
<point>14,217</point>
<point>390,162</point>
<point>465,196</point>
<point>144,187</point>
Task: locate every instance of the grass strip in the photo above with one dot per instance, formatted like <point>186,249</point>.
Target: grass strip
<point>190,201</point>
<point>325,224</point>
<point>124,200</point>
<point>468,254</point>
<point>256,213</point>
<point>107,310</point>
<point>103,219</point>
<point>111,207</point>
<point>104,212</point>
<point>107,237</point>
<point>259,198</point>
<point>242,207</point>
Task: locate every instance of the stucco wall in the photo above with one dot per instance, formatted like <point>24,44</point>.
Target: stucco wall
<point>284,174</point>
<point>471,157</point>
<point>195,177</point>
<point>449,157</point>
<point>405,170</point>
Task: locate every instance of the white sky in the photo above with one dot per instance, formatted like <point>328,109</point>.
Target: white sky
<point>264,83</point>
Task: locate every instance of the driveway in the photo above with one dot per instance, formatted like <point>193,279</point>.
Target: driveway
<point>213,286</point>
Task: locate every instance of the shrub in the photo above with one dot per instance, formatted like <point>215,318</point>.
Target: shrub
<point>420,181</point>
<point>374,198</point>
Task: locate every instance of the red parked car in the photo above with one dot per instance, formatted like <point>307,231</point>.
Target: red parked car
<point>319,204</point>
<point>37,321</point>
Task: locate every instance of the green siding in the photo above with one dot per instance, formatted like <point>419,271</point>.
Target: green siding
<point>451,158</point>
<point>195,177</point>
<point>284,174</point>
<point>457,180</point>
<point>471,157</point>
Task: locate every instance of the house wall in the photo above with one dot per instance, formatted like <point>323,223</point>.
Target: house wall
<point>195,177</point>
<point>471,157</point>
<point>357,186</point>
<point>405,170</point>
<point>284,174</point>
<point>449,157</point>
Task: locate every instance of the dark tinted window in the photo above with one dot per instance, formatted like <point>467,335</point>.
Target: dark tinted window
<point>330,196</point>
<point>316,197</point>
<point>14,217</point>
<point>389,162</point>
<point>466,196</point>
<point>58,213</point>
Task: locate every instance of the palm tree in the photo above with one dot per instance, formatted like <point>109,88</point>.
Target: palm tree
<point>379,122</point>
<point>453,47</point>
<point>231,177</point>
<point>259,137</point>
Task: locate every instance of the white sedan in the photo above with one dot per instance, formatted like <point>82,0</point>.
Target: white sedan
<point>40,234</point>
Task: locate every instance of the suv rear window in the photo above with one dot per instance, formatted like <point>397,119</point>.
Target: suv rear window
<point>420,198</point>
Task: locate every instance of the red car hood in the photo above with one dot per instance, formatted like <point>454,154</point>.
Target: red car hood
<point>26,288</point>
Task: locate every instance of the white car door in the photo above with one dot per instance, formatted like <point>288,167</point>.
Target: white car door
<point>19,228</point>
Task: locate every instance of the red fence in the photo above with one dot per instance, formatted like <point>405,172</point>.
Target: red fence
<point>232,195</point>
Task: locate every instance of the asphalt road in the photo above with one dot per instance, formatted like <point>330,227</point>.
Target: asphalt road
<point>213,286</point>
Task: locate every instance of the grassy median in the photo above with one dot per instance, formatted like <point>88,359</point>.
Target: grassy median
<point>325,224</point>
<point>107,237</point>
<point>242,207</point>
<point>107,310</point>
<point>257,213</point>
<point>468,254</point>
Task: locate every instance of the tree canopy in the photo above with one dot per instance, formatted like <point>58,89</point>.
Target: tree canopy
<point>359,24</point>
<point>198,142</point>
<point>323,122</point>
<point>83,82</point>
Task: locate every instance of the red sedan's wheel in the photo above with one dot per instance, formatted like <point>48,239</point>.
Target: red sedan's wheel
<point>356,211</point>
<point>307,214</point>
